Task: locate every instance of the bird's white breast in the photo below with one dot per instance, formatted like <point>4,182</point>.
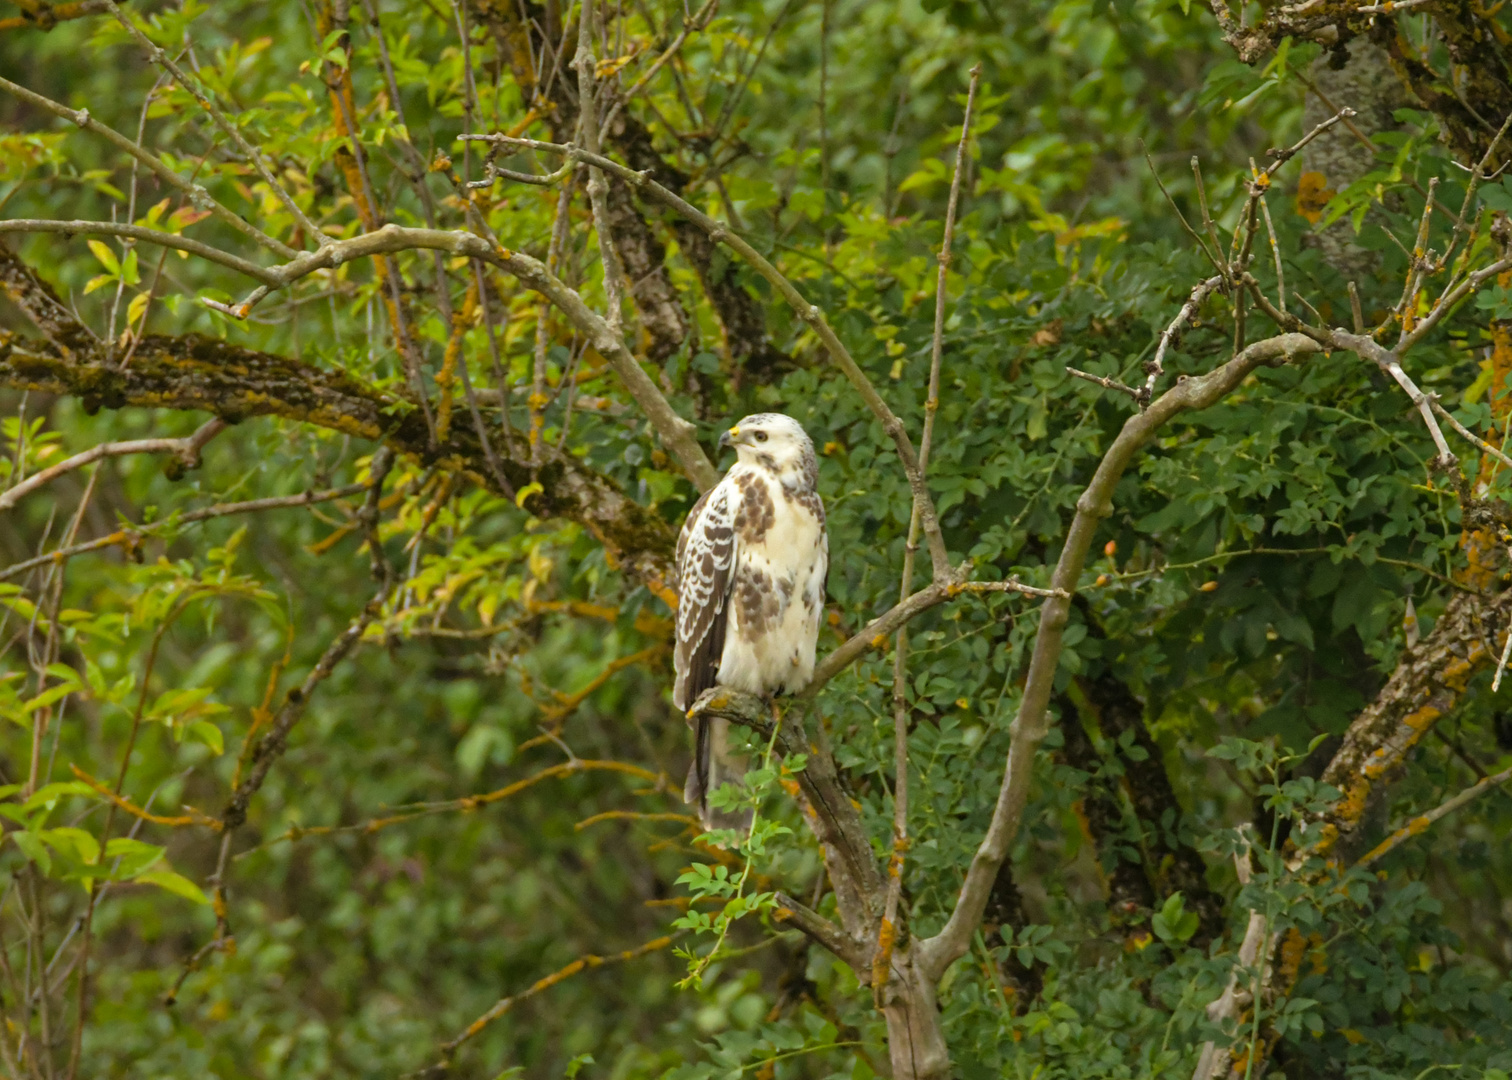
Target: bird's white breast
<point>777,595</point>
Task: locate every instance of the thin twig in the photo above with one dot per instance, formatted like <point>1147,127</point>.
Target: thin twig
<point>1422,821</point>
<point>1481,444</point>
<point>1105,382</point>
<point>187,450</point>
<point>583,963</point>
<point>1155,367</point>
<point>887,931</point>
<point>130,538</point>
<point>196,91</point>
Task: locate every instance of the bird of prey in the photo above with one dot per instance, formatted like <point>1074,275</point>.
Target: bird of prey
<point>751,565</point>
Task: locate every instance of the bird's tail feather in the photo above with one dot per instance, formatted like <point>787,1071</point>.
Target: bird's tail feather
<point>713,765</point>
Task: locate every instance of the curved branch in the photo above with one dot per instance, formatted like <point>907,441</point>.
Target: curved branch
<point>150,236</point>
<point>809,313</point>
<point>1032,723</point>
<point>186,449</point>
<point>198,197</point>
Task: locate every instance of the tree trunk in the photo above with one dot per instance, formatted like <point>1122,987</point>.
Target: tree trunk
<point>915,1037</point>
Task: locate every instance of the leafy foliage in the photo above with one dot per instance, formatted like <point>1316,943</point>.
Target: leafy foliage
<point>484,790</point>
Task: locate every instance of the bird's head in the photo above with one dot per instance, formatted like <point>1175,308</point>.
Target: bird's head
<point>775,442</point>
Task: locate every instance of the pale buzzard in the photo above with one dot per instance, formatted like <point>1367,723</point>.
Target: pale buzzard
<point>751,564</point>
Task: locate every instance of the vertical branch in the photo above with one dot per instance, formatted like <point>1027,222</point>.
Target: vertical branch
<point>353,165</point>
<point>598,185</point>
<point>538,398</point>
<point>501,376</point>
<point>887,933</point>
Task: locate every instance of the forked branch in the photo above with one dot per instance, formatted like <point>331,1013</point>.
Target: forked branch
<point>1032,722</point>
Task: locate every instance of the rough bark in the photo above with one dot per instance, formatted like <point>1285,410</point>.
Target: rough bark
<point>664,321</point>
<point>1131,896</point>
<point>1470,100</point>
<point>1356,76</point>
<point>740,315</point>
<point>1427,683</point>
<point>207,375</point>
<point>1172,867</point>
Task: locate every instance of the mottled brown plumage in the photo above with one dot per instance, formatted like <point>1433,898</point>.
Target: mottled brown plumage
<point>751,565</point>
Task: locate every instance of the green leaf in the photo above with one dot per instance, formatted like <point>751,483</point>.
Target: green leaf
<point>205,732</point>
<point>33,849</point>
<point>175,883</point>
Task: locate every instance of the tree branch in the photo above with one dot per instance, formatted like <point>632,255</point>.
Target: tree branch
<point>235,384</point>
<point>1420,823</point>
<point>198,197</point>
<point>1032,722</point>
<point>187,450</point>
<point>809,313</point>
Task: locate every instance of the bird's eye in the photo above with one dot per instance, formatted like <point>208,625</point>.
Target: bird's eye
<point>761,436</point>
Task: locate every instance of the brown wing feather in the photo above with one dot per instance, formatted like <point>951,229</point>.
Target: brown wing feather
<point>705,570</point>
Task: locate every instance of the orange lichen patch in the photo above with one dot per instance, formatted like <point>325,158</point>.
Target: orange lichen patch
<point>887,938</point>
<point>1293,948</point>
<point>462,321</point>
<point>1313,194</point>
<point>1483,553</point>
<point>1413,827</point>
<point>1413,726</point>
<point>1457,672</point>
<point>1353,804</point>
<point>1317,954</point>
<point>1080,810</point>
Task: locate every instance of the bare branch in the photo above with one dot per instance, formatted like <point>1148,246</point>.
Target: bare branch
<point>1156,366</point>
<point>198,197</point>
<point>887,931</point>
<point>598,187</point>
<point>809,313</point>
<point>1481,444</point>
<point>1032,722</point>
<point>583,963</point>
<point>820,929</point>
<point>874,634</point>
<point>1105,382</point>
<point>187,450</point>
<point>1420,823</point>
<point>150,236</point>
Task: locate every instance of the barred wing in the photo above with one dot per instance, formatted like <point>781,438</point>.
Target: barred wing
<point>705,568</point>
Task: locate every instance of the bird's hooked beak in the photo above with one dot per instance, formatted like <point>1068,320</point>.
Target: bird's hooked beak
<point>728,438</point>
